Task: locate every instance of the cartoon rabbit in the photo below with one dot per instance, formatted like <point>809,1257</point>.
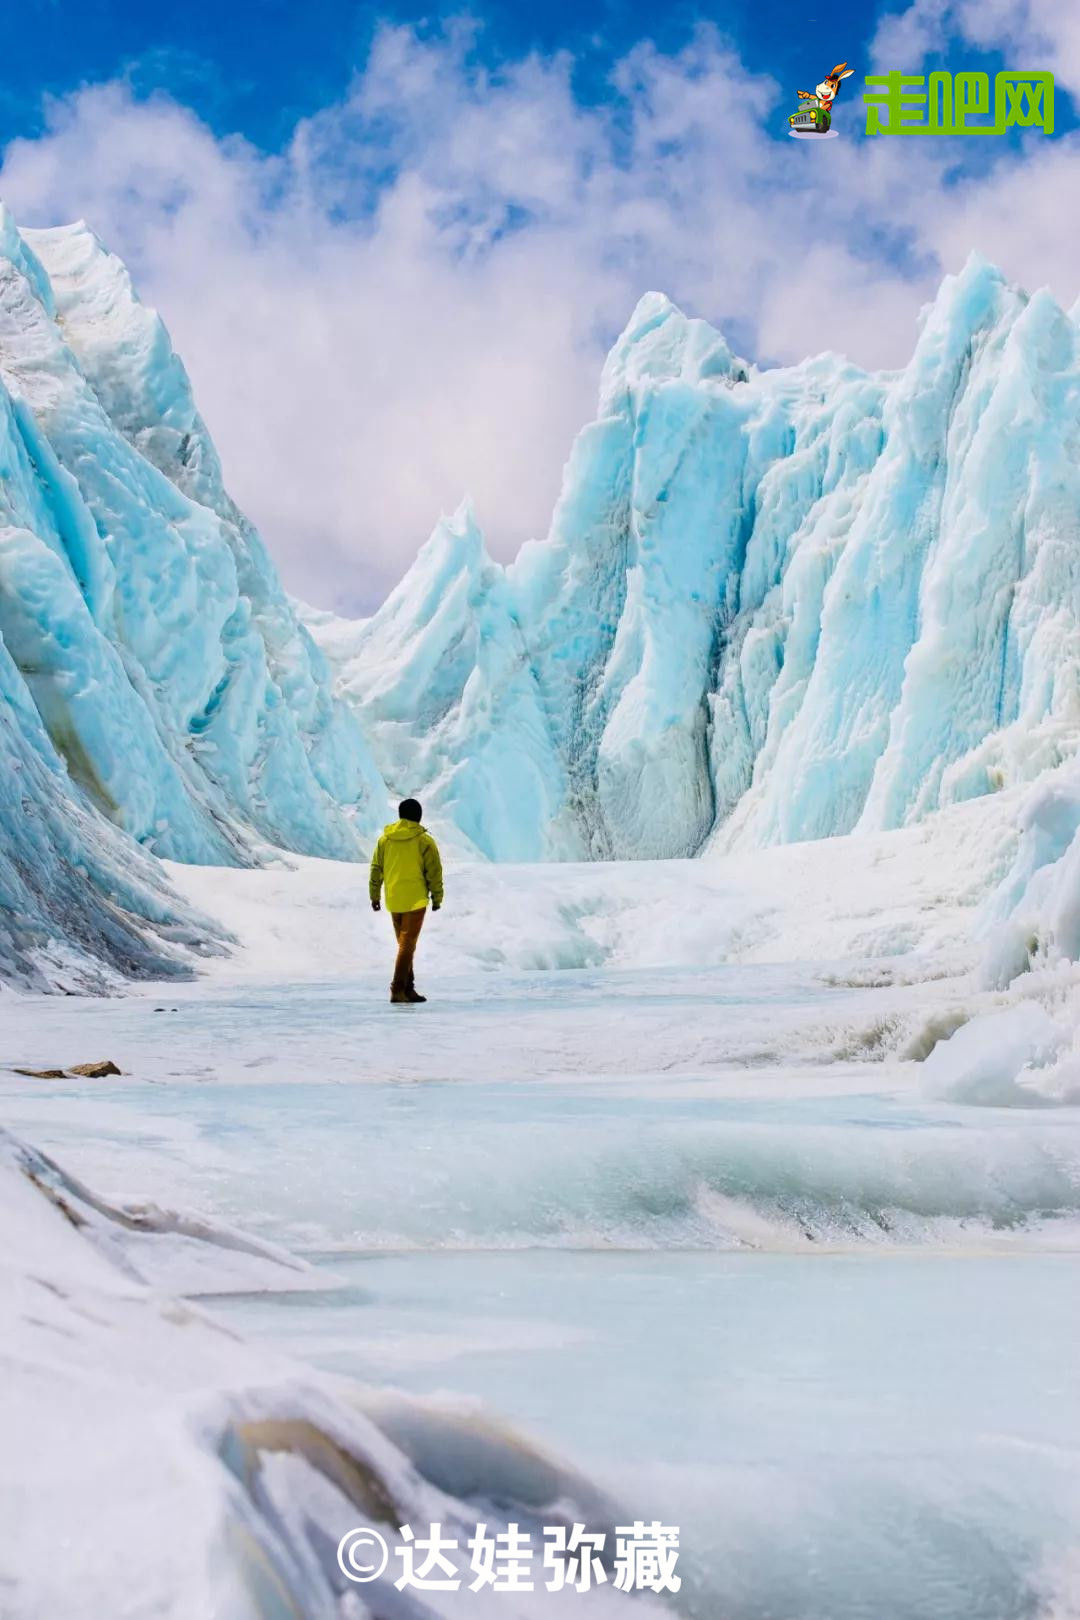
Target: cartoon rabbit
<point>826,90</point>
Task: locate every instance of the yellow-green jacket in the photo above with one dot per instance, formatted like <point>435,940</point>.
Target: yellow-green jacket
<point>407,860</point>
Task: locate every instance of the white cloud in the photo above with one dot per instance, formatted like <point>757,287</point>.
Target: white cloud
<point>1033,33</point>
<point>414,298</point>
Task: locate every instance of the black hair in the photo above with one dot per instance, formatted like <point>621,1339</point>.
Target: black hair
<point>409,810</point>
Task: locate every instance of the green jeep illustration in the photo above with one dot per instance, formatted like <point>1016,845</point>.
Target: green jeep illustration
<point>812,114</point>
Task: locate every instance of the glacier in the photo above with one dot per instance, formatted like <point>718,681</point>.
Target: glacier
<point>449,695</point>
<point>157,690</point>
<point>801,1124</point>
<point>773,605</point>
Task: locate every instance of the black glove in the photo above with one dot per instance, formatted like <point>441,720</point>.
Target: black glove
<point>376,905</point>
<point>435,904</point>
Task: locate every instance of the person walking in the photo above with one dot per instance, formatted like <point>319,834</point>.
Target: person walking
<point>406,862</point>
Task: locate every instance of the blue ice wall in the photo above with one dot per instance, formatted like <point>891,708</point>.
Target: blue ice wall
<point>772,605</point>
<point>155,681</point>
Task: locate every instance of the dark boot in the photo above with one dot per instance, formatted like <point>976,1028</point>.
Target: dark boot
<point>414,995</point>
<point>400,998</point>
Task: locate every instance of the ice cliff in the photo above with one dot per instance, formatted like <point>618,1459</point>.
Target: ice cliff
<point>154,679</point>
<point>450,696</point>
<point>773,604</point>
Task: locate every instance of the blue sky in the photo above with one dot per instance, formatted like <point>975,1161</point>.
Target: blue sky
<point>392,249</point>
<point>258,68</point>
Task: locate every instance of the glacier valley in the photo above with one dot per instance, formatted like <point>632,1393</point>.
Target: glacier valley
<point>773,605</point>
<point>731,1175</point>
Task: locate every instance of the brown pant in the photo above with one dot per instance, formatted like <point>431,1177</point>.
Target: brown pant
<point>407,926</point>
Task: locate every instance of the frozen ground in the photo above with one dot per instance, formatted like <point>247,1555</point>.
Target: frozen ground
<point>657,1179</point>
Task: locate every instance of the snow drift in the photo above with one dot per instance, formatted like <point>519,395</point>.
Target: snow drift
<point>772,606</point>
<point>1028,1054</point>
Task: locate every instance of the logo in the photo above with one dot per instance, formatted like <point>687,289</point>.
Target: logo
<point>813,118</point>
<point>958,104</point>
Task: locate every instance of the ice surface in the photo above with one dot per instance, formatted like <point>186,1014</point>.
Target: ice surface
<point>218,1478</point>
<point>816,974</point>
<point>773,605</point>
<point>840,1437</point>
<point>159,1247</point>
<point>673,1201</point>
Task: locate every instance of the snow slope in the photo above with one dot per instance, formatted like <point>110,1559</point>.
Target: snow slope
<point>153,676</point>
<point>773,605</point>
